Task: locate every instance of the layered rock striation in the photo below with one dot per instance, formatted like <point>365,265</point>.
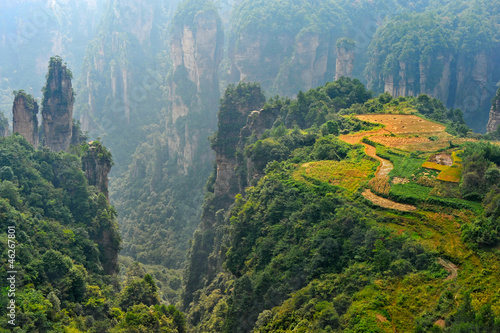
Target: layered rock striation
<point>24,113</point>
<point>57,106</point>
<point>196,49</point>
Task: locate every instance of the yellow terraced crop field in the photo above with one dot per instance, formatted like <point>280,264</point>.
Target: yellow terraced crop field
<point>435,166</point>
<point>448,173</point>
<point>346,174</point>
<point>403,124</point>
<point>453,173</point>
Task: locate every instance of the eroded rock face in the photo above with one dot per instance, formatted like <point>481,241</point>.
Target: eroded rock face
<point>25,121</point>
<point>196,49</point>
<point>57,107</point>
<point>460,81</point>
<point>344,64</point>
<point>432,76</point>
<point>494,119</point>
<point>283,64</point>
<point>121,69</point>
<point>97,165</point>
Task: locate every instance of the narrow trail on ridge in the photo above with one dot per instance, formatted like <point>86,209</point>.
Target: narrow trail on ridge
<point>450,267</point>
<point>383,171</point>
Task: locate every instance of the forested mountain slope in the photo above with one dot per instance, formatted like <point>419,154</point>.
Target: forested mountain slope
<point>66,247</point>
<point>301,248</point>
<point>261,44</point>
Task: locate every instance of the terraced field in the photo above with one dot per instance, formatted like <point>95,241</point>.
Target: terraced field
<point>406,134</point>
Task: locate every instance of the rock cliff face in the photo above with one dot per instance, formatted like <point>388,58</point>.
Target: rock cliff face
<point>461,82</point>
<point>25,121</point>
<point>310,64</point>
<point>279,46</point>
<point>463,74</point>
<point>57,106</point>
<point>344,64</point>
<point>430,76</point>
<point>116,76</point>
<point>284,64</point>
<point>97,165</point>
<point>234,125</point>
<point>494,119</point>
<point>196,49</point>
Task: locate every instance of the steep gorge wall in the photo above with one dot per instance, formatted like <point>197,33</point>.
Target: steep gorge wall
<point>172,164</point>
<point>120,91</point>
<point>196,48</point>
<point>465,82</point>
<point>449,59</point>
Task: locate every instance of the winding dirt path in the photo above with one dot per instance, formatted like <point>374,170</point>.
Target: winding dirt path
<point>450,267</point>
<point>386,203</point>
<point>385,165</point>
<point>383,171</point>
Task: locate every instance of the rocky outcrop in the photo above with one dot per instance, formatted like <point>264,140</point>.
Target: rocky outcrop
<point>284,50</point>
<point>432,76</point>
<point>97,164</point>
<point>344,64</point>
<point>234,124</point>
<point>24,114</point>
<point>494,118</point>
<point>257,123</point>
<point>309,65</point>
<point>57,106</point>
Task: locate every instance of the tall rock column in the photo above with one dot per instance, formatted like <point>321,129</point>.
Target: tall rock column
<point>196,49</point>
<point>25,121</point>
<point>4,126</point>
<point>236,105</point>
<point>97,164</point>
<point>344,64</point>
<point>494,120</point>
<point>57,106</point>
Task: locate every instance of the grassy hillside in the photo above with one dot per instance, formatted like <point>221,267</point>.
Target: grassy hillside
<point>321,244</point>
